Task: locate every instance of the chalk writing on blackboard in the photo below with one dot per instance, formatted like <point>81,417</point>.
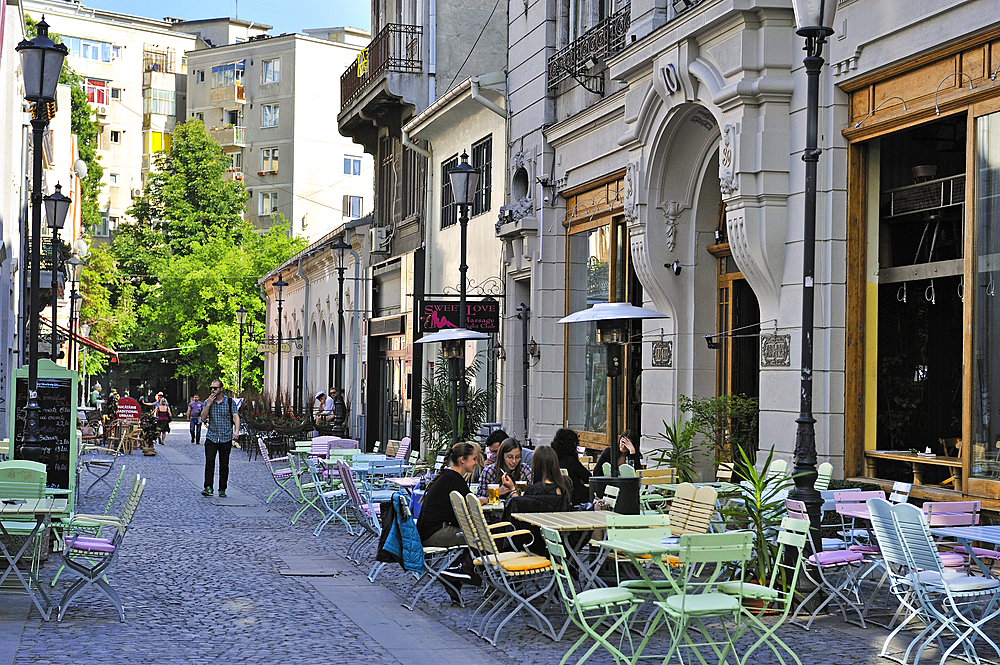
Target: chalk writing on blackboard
<point>55,422</point>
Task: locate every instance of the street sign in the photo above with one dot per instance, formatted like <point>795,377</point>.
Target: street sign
<point>481,315</point>
<point>272,347</point>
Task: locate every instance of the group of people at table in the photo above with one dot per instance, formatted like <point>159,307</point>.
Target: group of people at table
<point>555,478</point>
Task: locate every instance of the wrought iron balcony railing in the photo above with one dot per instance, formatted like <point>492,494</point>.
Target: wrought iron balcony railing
<point>604,39</point>
<point>396,48</point>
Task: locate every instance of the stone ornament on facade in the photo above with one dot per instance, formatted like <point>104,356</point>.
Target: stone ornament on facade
<point>631,200</point>
<point>671,217</point>
<point>515,212</point>
<point>776,351</point>
<point>522,169</point>
<point>727,145</point>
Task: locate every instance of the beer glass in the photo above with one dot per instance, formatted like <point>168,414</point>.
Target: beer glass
<point>493,493</point>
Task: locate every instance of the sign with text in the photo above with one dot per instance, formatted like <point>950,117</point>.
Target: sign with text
<point>272,347</point>
<point>128,409</point>
<point>481,315</point>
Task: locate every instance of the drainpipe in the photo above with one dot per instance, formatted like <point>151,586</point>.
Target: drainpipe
<point>477,96</point>
<point>305,337</point>
<point>356,342</point>
<point>431,52</point>
<point>416,148</point>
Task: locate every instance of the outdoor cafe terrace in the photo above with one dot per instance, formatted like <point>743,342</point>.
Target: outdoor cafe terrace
<point>232,580</point>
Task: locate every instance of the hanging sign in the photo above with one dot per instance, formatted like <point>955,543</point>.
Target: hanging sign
<point>481,315</point>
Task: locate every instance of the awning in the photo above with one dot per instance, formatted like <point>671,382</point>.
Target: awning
<point>86,340</point>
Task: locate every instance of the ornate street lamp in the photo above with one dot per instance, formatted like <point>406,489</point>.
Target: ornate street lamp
<point>75,264</point>
<point>241,319</point>
<point>56,208</point>
<point>278,285</point>
<point>464,182</point>
<point>41,64</point>
<point>814,19</point>
<point>339,408</point>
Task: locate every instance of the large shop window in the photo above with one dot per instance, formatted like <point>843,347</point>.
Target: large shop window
<point>598,270</point>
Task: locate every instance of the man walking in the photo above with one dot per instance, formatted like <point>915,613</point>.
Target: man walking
<point>194,418</point>
<point>223,425</point>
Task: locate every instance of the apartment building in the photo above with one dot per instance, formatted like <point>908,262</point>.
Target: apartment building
<point>134,73</point>
<point>268,102</point>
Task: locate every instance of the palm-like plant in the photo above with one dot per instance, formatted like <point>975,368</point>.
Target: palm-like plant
<point>759,507</point>
<point>438,403</point>
<point>683,451</point>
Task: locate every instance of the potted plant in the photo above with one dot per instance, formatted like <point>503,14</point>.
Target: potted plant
<point>728,423</point>
<point>682,451</point>
<point>759,507</point>
<point>438,403</point>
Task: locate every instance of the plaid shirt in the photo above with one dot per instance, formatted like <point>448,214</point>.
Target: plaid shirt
<point>492,475</point>
<point>220,422</point>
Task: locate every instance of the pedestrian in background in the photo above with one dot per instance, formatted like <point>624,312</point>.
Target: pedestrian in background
<point>194,418</point>
<point>220,412</point>
<point>163,419</point>
<point>326,407</point>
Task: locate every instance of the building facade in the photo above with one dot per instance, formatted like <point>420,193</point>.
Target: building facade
<point>264,101</point>
<point>134,73</point>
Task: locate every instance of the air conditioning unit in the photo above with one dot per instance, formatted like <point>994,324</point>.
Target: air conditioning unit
<point>136,193</point>
<point>380,239</point>
<point>101,109</point>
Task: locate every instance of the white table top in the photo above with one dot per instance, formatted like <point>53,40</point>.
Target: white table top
<point>985,534</point>
<point>32,506</point>
<point>574,520</point>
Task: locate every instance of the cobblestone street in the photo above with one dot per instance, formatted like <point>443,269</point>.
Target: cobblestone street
<point>210,580</point>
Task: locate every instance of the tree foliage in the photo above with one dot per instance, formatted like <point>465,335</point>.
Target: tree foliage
<point>438,402</point>
<point>108,304</point>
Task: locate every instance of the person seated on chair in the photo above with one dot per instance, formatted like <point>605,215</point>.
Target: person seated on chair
<point>628,452</point>
<point>492,444</point>
<point>477,472</point>
<point>437,524</point>
<point>506,471</point>
<point>326,407</point>
<point>550,493</point>
<point>565,443</point>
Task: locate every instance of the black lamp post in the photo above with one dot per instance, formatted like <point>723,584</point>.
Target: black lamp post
<point>241,319</point>
<point>56,208</point>
<point>75,266</point>
<point>339,408</point>
<point>814,19</point>
<point>464,181</point>
<point>279,284</point>
<point>41,64</point>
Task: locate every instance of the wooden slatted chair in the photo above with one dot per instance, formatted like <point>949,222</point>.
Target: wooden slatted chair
<point>692,509</point>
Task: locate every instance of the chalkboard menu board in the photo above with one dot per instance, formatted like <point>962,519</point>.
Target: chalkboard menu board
<point>55,424</point>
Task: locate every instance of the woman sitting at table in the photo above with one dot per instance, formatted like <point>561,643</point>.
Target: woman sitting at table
<point>564,444</point>
<point>550,493</point>
<point>628,452</point>
<point>506,471</point>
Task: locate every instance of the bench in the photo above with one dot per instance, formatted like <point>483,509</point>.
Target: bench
<point>917,463</point>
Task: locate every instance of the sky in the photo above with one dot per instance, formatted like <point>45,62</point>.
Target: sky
<point>287,16</point>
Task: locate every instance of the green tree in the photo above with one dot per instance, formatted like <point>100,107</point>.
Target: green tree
<point>193,304</point>
<point>108,304</point>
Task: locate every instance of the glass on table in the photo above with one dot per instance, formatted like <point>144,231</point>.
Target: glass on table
<point>521,486</point>
<point>493,492</point>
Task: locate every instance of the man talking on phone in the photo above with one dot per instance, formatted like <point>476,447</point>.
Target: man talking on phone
<point>223,426</point>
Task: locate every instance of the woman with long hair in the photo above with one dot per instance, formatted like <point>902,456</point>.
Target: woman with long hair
<point>549,479</point>
<point>564,444</point>
<point>437,524</point>
<point>163,418</point>
<point>628,451</point>
<point>506,470</point>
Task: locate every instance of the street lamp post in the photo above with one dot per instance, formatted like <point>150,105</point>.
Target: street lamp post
<point>464,182</point>
<point>339,409</point>
<point>56,208</point>
<point>241,319</point>
<point>814,19</point>
<point>75,266</point>
<point>41,64</point>
<point>278,286</point>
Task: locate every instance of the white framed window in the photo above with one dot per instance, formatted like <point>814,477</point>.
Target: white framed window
<point>88,49</point>
<point>100,229</point>
<point>97,91</point>
<point>117,52</point>
<point>270,71</point>
<point>268,160</point>
<point>352,166</point>
<point>268,203</point>
<point>199,76</point>
<point>116,93</point>
<point>160,102</point>
<point>268,115</point>
<point>113,179</point>
<point>237,160</point>
<point>200,116</point>
<point>116,136</point>
<point>353,206</point>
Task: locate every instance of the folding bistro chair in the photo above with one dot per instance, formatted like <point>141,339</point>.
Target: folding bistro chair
<point>519,581</point>
<point>597,612</point>
<point>90,558</point>
<point>824,474</point>
<point>696,599</point>
<point>364,508</point>
<point>692,510</point>
<point>282,475</point>
<point>958,606</point>
<point>778,594</point>
<point>436,561</point>
<point>834,573</point>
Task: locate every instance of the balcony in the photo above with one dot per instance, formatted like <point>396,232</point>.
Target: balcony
<point>231,136</point>
<point>228,95</point>
<point>592,47</point>
<point>396,48</point>
<point>232,174</point>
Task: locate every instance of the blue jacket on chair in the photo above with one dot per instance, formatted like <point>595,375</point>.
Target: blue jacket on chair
<point>402,544</point>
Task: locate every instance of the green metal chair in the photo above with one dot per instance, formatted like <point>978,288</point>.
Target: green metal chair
<point>597,612</point>
<point>696,599</point>
<point>779,592</point>
<point>626,471</point>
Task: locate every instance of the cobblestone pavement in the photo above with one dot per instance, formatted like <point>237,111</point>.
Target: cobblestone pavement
<point>210,580</point>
